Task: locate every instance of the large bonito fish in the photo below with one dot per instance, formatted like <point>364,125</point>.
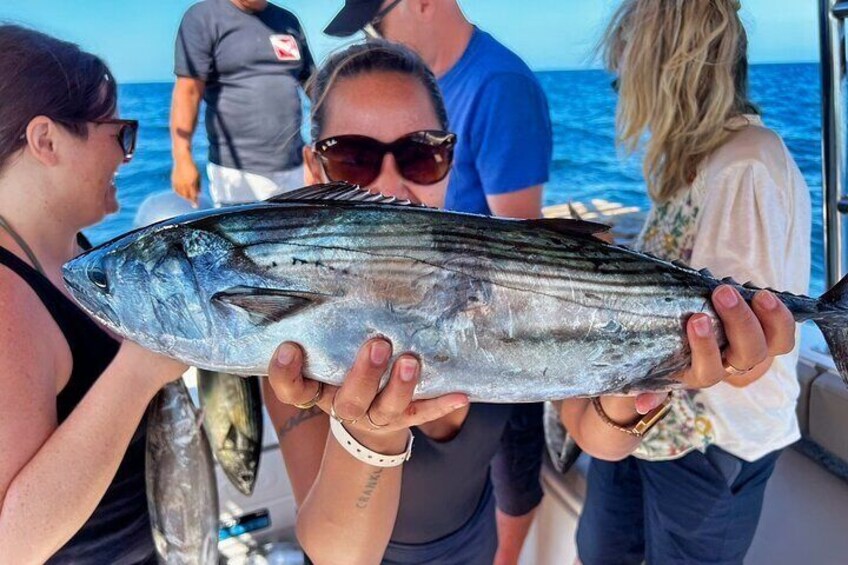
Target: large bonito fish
<point>504,310</point>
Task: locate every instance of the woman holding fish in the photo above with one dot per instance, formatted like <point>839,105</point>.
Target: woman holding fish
<point>72,395</point>
<point>727,196</point>
<point>378,121</point>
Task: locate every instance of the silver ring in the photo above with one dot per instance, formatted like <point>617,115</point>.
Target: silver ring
<point>338,418</point>
<point>371,423</point>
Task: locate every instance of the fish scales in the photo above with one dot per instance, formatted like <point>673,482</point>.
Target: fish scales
<point>503,310</point>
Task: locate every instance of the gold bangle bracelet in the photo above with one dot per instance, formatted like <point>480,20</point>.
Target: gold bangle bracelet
<point>641,426</point>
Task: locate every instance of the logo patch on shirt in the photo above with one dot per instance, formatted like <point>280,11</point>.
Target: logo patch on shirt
<point>285,47</point>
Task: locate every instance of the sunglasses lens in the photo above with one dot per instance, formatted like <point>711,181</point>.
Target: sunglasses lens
<point>352,159</point>
<point>127,139</point>
<point>422,162</point>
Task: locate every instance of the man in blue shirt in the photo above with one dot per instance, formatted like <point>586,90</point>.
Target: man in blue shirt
<point>495,104</point>
<point>500,114</point>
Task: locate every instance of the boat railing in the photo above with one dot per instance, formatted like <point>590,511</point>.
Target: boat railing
<point>832,15</point>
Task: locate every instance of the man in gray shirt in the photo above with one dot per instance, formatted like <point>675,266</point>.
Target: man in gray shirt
<point>245,59</point>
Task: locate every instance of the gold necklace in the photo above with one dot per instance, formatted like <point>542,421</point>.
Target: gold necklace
<point>4,224</point>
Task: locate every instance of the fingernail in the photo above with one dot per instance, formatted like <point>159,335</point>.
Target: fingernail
<point>408,368</point>
<point>460,404</point>
<point>285,355</point>
<point>768,300</point>
<point>727,297</point>
<point>702,326</point>
<point>380,352</point>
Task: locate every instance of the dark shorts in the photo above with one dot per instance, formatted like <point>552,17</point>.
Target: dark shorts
<point>475,543</point>
<point>701,508</point>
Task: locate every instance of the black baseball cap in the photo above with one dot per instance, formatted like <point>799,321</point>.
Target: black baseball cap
<point>353,17</point>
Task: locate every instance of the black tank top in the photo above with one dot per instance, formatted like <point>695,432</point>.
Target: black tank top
<point>119,530</point>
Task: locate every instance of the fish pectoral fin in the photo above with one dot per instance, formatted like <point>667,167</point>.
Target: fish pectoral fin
<point>338,192</point>
<point>266,305</point>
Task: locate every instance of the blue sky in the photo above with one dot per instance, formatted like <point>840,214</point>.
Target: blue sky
<point>136,38</point>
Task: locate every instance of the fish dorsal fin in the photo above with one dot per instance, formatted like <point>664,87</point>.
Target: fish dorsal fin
<point>266,306</point>
<point>567,226</point>
<point>340,192</point>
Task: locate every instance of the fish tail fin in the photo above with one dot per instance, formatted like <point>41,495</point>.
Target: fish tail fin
<point>834,326</point>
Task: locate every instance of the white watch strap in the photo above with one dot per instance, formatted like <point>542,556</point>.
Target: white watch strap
<point>362,453</point>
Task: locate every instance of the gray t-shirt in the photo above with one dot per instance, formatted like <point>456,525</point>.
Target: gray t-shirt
<point>252,65</point>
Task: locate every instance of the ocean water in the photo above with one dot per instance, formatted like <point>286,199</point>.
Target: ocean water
<point>586,162</point>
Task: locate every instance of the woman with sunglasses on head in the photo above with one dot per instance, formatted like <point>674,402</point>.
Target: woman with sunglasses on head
<point>72,396</point>
<point>379,121</point>
<point>727,196</point>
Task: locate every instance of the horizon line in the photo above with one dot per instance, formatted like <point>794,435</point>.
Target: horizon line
<point>536,70</point>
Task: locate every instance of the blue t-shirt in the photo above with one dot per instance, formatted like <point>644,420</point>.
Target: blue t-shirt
<point>500,114</point>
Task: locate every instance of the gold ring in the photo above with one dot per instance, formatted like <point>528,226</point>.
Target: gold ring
<point>371,422</point>
<point>731,370</point>
<point>314,400</point>
<point>335,416</point>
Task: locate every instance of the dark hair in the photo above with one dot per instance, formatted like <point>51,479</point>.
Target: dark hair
<point>44,76</point>
<point>370,57</point>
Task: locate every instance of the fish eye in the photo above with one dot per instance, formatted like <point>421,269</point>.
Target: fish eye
<point>98,277</point>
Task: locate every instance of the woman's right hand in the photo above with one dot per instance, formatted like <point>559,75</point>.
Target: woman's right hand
<point>380,418</point>
<point>155,368</point>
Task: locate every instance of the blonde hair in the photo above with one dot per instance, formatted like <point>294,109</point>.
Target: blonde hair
<point>683,74</point>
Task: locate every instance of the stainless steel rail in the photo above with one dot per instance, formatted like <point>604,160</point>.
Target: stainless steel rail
<point>832,14</point>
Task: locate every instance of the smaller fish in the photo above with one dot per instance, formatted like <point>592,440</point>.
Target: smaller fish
<point>182,495</point>
<point>232,417</point>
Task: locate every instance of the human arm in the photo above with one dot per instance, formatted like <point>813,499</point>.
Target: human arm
<point>53,476</point>
<point>193,64</point>
<point>185,104</point>
<point>525,203</point>
<point>515,476</point>
<point>754,333</point>
<point>347,508</point>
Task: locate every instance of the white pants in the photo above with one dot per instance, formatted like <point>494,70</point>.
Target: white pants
<point>233,186</point>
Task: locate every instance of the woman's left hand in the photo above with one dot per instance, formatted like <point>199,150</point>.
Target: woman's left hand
<point>755,334</point>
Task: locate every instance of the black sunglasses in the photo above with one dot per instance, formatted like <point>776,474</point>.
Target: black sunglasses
<point>127,135</point>
<point>422,157</point>
<point>372,28</point>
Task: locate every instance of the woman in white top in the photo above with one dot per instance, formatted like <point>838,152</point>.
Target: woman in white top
<point>727,196</point>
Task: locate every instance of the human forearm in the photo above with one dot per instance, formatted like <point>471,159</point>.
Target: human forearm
<point>53,495</point>
<point>185,106</point>
<point>349,513</point>
<point>512,531</point>
<point>593,434</point>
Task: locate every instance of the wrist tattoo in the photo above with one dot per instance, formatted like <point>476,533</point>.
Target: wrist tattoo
<point>297,420</point>
<point>370,487</point>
